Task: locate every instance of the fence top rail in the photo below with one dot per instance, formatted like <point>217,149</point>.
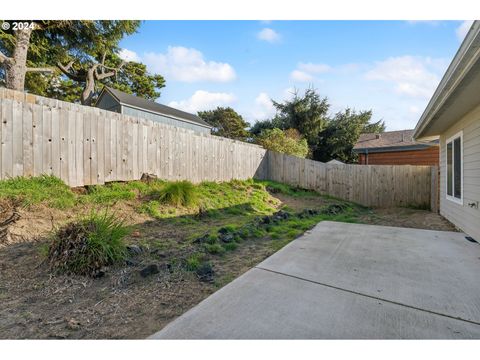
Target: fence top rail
<point>24,97</point>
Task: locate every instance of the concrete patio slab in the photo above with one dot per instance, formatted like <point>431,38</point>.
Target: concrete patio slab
<point>348,281</point>
<point>436,271</point>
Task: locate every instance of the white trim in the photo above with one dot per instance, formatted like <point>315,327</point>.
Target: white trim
<point>465,58</point>
<point>450,140</point>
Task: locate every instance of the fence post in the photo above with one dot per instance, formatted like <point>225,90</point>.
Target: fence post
<point>434,194</point>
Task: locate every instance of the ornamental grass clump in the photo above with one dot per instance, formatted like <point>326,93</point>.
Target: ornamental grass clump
<point>85,246</point>
<point>179,193</point>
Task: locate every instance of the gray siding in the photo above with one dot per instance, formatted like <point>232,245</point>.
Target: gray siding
<point>463,216</point>
<point>107,102</point>
<point>163,119</point>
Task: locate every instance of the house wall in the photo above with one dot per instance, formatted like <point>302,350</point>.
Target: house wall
<point>163,119</point>
<point>428,156</point>
<point>463,216</point>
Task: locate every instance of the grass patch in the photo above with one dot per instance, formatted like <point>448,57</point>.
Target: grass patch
<point>425,206</point>
<point>194,261</point>
<point>230,246</point>
<point>85,246</point>
<point>276,187</point>
<point>215,249</point>
<point>34,190</point>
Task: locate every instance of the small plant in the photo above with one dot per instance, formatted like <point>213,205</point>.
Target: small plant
<point>214,249</point>
<point>179,193</point>
<point>193,262</point>
<point>230,246</point>
<point>85,246</point>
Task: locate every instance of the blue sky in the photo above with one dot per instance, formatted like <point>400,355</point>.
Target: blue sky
<point>390,67</point>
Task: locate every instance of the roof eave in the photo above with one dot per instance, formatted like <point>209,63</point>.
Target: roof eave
<point>394,148</point>
<point>451,79</point>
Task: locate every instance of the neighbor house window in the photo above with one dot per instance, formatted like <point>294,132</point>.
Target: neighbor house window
<point>454,169</point>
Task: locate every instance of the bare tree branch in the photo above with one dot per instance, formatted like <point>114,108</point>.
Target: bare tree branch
<point>104,75</point>
<point>41,70</point>
<point>3,58</point>
<point>66,70</point>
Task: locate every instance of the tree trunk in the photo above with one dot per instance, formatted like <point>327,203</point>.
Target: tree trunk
<point>16,66</point>
<point>89,89</point>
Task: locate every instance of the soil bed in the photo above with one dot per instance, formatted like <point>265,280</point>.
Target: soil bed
<point>130,302</point>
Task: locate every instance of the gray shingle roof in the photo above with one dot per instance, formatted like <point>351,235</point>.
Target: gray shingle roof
<point>388,139</point>
<point>152,106</point>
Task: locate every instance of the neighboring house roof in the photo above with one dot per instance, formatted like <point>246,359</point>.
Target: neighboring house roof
<point>335,162</point>
<point>400,140</point>
<point>457,92</point>
<point>152,107</point>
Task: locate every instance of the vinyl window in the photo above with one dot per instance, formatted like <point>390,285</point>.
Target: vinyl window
<point>454,168</point>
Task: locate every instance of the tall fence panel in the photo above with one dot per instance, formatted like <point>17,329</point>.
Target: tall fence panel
<point>369,185</point>
<point>84,146</point>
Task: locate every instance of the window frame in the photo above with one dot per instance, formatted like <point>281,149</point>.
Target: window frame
<point>451,140</point>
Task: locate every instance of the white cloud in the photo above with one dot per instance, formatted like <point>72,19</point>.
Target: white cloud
<point>203,100</point>
<point>129,55</point>
<point>188,65</point>
<point>416,77</point>
<point>263,108</point>
<point>270,35</point>
<point>314,68</point>
<point>305,71</point>
<point>462,30</point>
<point>414,109</point>
<point>424,22</point>
<point>301,76</point>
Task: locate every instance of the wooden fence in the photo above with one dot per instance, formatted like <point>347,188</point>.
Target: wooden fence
<point>84,146</point>
<point>369,185</point>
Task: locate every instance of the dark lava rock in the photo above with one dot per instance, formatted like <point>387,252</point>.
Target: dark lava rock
<point>308,212</point>
<point>149,270</point>
<point>334,209</point>
<point>99,273</point>
<point>202,239</point>
<point>281,215</point>
<point>266,220</point>
<point>134,249</point>
<point>226,238</point>
<point>223,231</point>
<point>131,262</point>
<point>205,272</point>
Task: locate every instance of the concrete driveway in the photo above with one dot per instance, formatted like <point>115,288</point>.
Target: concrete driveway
<point>348,281</point>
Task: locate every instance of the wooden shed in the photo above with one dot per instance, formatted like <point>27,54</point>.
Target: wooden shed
<point>395,148</point>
